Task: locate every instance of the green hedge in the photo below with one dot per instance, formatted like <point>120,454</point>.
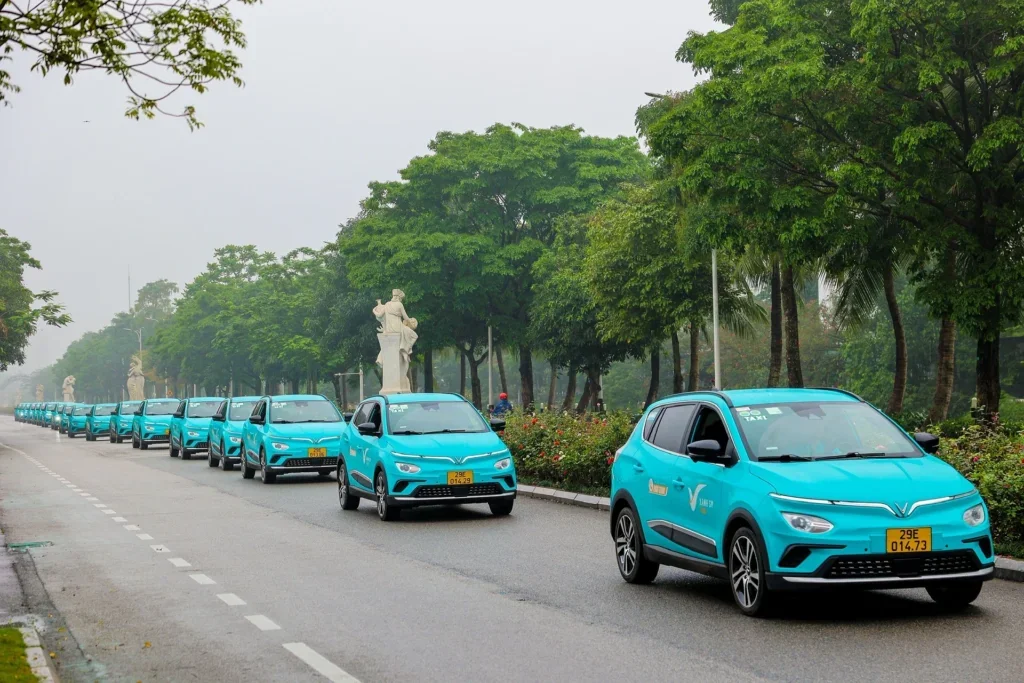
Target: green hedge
<point>575,453</point>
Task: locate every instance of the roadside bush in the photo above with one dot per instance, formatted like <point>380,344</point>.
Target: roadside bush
<point>566,451</point>
<point>993,460</point>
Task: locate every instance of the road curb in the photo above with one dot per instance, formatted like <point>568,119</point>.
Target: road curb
<point>566,497</point>
<point>37,659</point>
<point>1009,569</point>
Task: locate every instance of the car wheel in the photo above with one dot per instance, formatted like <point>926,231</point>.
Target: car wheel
<point>135,443</point>
<point>501,508</point>
<point>629,550</point>
<point>955,595</point>
<point>247,472</point>
<point>210,459</point>
<point>172,451</point>
<point>747,573</point>
<point>267,477</point>
<point>345,497</point>
<point>224,464</point>
<point>112,437</point>
<point>386,512</point>
<point>143,444</point>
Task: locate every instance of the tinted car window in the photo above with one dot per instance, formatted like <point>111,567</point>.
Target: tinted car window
<point>83,411</point>
<point>709,426</point>
<point>161,408</point>
<point>103,411</point>
<point>294,411</point>
<point>672,427</point>
<point>652,419</point>
<point>241,410</point>
<point>202,408</point>
<point>434,417</point>
<point>129,407</point>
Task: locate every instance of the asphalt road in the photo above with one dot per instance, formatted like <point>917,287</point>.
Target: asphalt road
<point>442,595</point>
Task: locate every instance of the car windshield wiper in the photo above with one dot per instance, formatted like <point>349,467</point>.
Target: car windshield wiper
<point>448,431</point>
<point>855,454</point>
<point>785,457</point>
<point>405,432</point>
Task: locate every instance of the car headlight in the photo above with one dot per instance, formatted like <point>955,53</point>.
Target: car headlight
<point>407,468</point>
<point>193,433</point>
<point>808,523</point>
<point>280,446</point>
<point>975,515</point>
<point>151,426</point>
<point>234,439</point>
<point>503,464</point>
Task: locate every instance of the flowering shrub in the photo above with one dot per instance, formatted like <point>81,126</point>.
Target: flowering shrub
<point>566,451</point>
<point>994,462</point>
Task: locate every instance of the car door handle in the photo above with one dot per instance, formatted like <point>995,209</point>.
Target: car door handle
<point>638,468</point>
<point>678,483</point>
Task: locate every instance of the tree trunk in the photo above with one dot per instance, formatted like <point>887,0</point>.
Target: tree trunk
<point>775,358</point>
<point>413,381</point>
<point>652,390</point>
<point>570,390</point>
<point>462,372</point>
<point>944,373</point>
<point>585,398</point>
<point>693,380</point>
<point>594,377</point>
<point>526,376</point>
<point>677,364</point>
<point>501,368</point>
<point>789,311</point>
<point>899,382</point>
<point>474,379</point>
<point>428,371</point>
<point>338,393</point>
<point>988,377</point>
<point>552,386</point>
<point>344,393</point>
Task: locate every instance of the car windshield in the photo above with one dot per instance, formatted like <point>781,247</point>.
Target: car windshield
<point>130,407</point>
<point>83,411</point>
<point>817,430</point>
<point>241,410</point>
<point>293,411</point>
<point>434,417</point>
<point>203,408</point>
<point>103,411</point>
<point>161,408</point>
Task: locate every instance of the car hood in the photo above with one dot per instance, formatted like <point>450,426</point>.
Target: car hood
<point>197,423</point>
<point>157,419</point>
<point>864,480</point>
<point>309,430</point>
<point>453,445</point>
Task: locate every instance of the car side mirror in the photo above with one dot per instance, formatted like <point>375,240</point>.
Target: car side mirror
<point>929,443</point>
<point>497,424</point>
<point>138,412</point>
<point>367,429</point>
<point>347,416</point>
<point>256,420</point>
<point>705,450</point>
<point>217,417</point>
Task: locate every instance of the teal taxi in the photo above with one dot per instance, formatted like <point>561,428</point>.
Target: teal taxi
<point>224,445</point>
<point>190,425</point>
<point>151,422</point>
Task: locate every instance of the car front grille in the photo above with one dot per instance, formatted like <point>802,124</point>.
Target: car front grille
<point>310,462</point>
<point>898,566</point>
<point>458,491</point>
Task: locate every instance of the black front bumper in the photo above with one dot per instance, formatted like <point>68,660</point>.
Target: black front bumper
<point>307,465</point>
<point>887,571</point>
<point>456,495</point>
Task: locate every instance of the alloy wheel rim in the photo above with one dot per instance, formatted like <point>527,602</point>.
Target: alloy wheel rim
<point>746,577</point>
<point>382,501</point>
<point>625,544</point>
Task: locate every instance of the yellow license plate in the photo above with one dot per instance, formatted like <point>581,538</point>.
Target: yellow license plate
<point>317,452</point>
<point>913,540</point>
<point>460,478</point>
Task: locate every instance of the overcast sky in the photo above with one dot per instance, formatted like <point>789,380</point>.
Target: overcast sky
<point>338,93</point>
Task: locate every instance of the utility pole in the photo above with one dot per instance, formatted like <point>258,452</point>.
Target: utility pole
<point>714,315</point>
<point>490,365</point>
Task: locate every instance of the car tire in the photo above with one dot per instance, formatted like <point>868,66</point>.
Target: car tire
<point>501,508</point>
<point>135,443</point>
<point>955,595</point>
<point>225,464</point>
<point>265,476</point>
<point>747,567</point>
<point>629,550</point>
<point>88,436</point>
<point>247,472</point>
<point>210,459</point>
<point>143,444</point>
<point>112,437</point>
<point>386,512</point>
<point>345,497</point>
<point>171,450</point>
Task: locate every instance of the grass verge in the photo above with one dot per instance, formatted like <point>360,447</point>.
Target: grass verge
<point>13,665</point>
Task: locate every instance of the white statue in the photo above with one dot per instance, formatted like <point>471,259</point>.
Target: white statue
<point>136,380</point>
<point>40,393</point>
<point>397,333</point>
<point>69,389</point>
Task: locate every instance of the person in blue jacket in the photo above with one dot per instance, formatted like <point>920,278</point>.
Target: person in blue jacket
<point>503,406</point>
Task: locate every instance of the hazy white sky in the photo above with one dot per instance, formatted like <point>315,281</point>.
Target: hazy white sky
<point>338,93</point>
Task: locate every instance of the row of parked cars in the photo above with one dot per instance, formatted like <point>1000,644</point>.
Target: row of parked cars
<point>398,452</point>
<point>772,490</point>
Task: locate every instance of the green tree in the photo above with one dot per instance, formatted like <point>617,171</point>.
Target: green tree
<point>21,309</point>
<point>154,48</point>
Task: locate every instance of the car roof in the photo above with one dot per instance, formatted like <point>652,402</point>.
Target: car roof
<point>104,405</point>
<point>423,398</point>
<point>754,397</point>
<point>296,397</point>
<point>162,400</point>
<point>205,399</point>
<point>246,398</point>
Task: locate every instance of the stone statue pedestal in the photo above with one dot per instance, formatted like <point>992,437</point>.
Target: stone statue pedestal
<point>391,363</point>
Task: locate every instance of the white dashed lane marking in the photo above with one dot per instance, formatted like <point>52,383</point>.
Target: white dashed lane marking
<point>132,527</point>
<point>262,623</point>
<point>160,548</point>
<point>120,519</point>
<point>109,512</point>
<point>231,599</point>
<point>179,562</point>
<point>144,537</point>
<point>320,664</point>
<point>202,579</point>
<point>99,505</point>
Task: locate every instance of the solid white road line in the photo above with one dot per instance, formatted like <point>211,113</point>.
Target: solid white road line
<point>202,579</point>
<point>231,599</point>
<point>179,562</point>
<point>132,527</point>
<point>144,537</point>
<point>320,664</point>
<point>262,623</point>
